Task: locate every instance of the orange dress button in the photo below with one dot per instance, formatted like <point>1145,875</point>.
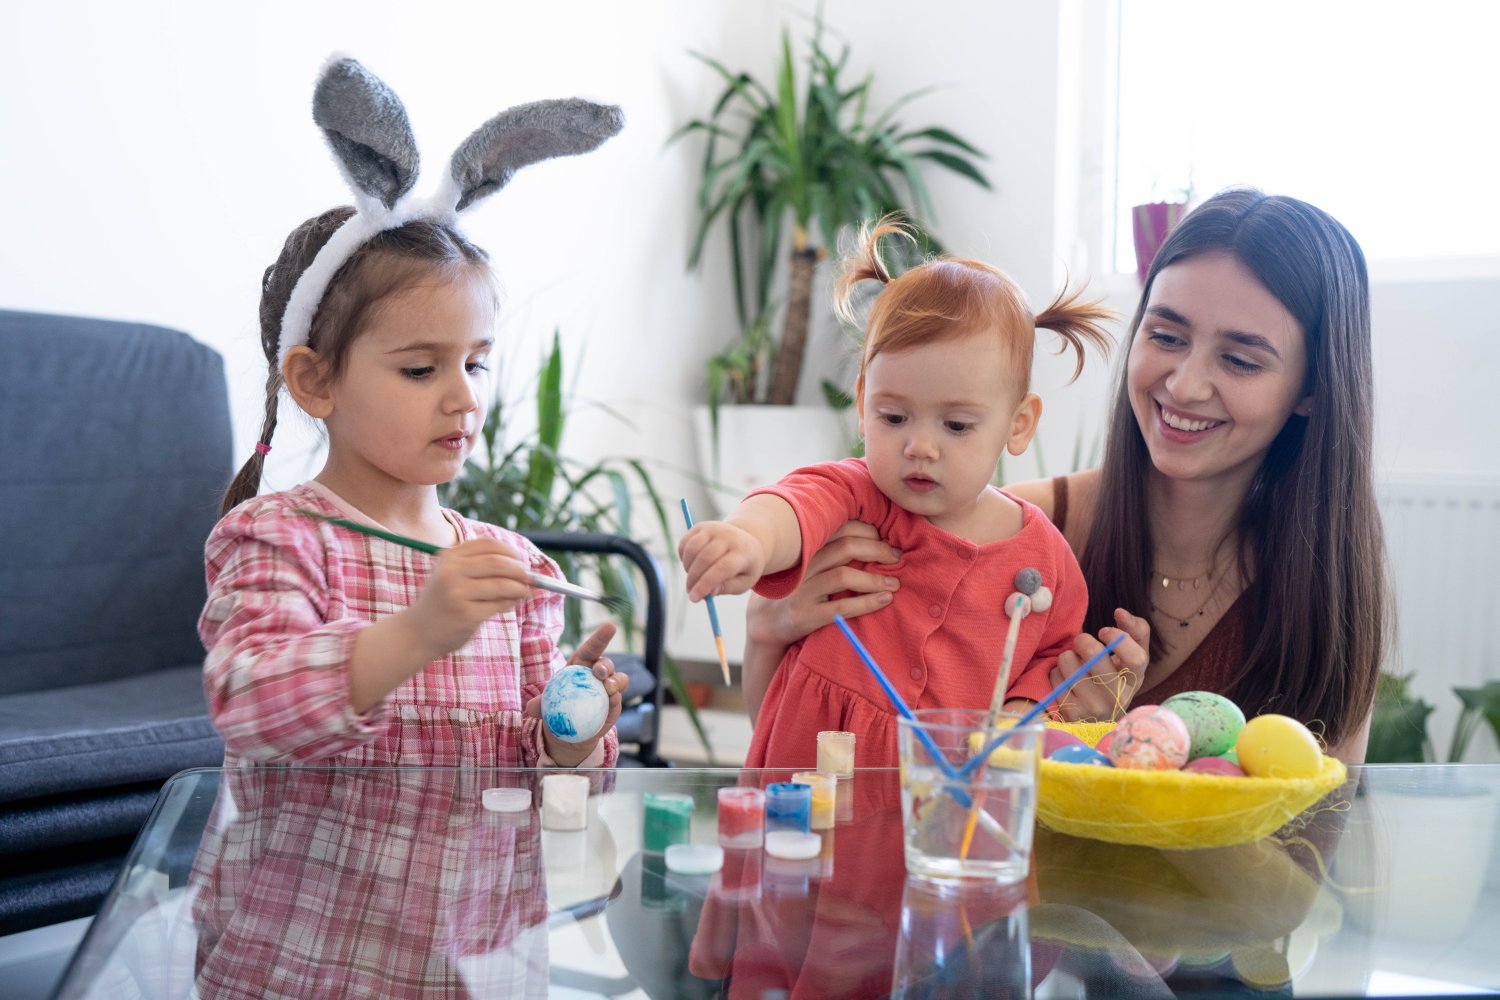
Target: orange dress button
<point>916,673</point>
<point>936,611</point>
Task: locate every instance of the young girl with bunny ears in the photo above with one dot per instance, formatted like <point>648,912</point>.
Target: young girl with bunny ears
<point>332,646</point>
<point>943,391</point>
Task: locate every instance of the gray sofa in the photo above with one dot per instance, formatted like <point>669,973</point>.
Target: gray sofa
<point>114,452</point>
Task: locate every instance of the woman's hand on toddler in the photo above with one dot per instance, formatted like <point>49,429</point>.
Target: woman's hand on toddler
<point>720,559</point>
<point>590,652</point>
<point>1105,691</point>
<point>472,582</point>
<point>813,604</point>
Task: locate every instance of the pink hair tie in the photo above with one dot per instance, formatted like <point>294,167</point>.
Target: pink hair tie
<point>262,447</point>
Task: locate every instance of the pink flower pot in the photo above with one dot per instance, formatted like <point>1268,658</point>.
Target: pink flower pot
<point>1151,223</point>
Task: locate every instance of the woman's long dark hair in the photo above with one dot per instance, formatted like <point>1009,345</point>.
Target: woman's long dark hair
<point>1316,608</point>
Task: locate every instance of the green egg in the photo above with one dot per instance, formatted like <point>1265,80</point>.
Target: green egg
<point>1213,722</point>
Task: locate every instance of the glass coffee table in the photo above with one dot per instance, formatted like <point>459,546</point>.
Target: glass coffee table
<point>313,882</point>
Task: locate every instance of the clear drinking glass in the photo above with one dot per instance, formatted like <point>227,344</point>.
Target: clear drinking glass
<point>963,817</point>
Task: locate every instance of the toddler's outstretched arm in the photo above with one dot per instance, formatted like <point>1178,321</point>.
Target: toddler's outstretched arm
<point>728,557</point>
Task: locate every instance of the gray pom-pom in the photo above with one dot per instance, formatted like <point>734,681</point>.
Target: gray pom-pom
<point>1028,580</point>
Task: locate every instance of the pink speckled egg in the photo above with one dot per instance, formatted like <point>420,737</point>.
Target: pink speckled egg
<point>1213,765</point>
<point>1150,738</point>
<point>1055,739</point>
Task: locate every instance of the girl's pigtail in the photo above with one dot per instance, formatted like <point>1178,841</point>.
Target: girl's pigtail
<point>864,263</point>
<point>246,483</point>
<point>1078,322</point>
<point>276,285</point>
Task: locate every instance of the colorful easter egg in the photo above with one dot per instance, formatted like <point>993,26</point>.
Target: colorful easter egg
<point>1213,765</point>
<point>1276,746</point>
<point>1055,739</point>
<point>1080,753</point>
<point>1150,738</point>
<point>1104,741</point>
<point>575,704</point>
<point>1213,721</point>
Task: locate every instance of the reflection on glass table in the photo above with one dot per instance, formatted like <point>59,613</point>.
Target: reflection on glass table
<point>311,882</point>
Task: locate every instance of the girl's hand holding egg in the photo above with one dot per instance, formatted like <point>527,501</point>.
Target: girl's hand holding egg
<point>581,700</point>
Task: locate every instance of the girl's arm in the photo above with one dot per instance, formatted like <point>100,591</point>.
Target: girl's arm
<point>470,583</point>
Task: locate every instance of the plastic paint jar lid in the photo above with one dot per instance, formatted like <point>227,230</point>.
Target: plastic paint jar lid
<point>506,800</point>
<point>793,845</point>
<point>694,859</point>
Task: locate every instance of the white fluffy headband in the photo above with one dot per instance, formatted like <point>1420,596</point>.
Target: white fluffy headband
<point>371,138</point>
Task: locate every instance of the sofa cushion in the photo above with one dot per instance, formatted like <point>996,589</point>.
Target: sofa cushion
<point>116,454</point>
<point>142,728</point>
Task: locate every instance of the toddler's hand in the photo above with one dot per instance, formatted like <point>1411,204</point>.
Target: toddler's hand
<point>472,582</point>
<point>589,652</point>
<point>1105,691</point>
<point>720,559</point>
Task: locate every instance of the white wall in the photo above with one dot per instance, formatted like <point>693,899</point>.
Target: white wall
<point>157,152</point>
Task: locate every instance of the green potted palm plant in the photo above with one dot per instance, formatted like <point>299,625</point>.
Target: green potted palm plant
<point>532,484</point>
<point>1398,727</point>
<point>786,167</point>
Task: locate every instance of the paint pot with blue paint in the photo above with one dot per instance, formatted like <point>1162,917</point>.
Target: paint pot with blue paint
<point>575,704</point>
<point>789,807</point>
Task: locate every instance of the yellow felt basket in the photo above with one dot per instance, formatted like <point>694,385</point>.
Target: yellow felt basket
<point>1171,809</point>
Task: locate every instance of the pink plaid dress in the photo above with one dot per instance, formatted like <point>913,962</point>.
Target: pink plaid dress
<point>287,595</point>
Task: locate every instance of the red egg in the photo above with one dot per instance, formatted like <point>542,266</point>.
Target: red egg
<point>1104,741</point>
<point>1213,765</point>
<point>1056,739</point>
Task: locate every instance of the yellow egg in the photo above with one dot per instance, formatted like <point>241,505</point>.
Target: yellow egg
<point>1275,746</point>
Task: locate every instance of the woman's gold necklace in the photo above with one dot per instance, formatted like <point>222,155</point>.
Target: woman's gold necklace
<point>1182,583</point>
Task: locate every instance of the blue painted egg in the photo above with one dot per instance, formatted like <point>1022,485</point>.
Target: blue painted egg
<point>575,704</point>
<point>1080,753</point>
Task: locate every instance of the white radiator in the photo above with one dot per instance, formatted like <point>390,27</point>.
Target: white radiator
<point>1443,538</point>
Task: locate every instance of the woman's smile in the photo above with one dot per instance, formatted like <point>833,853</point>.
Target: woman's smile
<point>1182,427</point>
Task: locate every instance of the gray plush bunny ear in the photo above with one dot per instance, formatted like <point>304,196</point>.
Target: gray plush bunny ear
<point>367,127</point>
<point>485,161</point>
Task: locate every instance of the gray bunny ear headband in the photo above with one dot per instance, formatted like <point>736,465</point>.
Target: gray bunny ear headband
<point>371,138</point>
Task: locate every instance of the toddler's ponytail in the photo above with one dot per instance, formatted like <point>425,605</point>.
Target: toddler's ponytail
<point>864,263</point>
<point>1077,322</point>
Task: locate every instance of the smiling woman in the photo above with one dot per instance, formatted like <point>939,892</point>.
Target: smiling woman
<point>1239,452</point>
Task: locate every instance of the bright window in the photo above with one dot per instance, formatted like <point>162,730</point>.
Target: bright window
<point>1386,114</point>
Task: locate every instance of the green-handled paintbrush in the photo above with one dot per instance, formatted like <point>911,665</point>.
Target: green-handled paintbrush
<point>613,604</point>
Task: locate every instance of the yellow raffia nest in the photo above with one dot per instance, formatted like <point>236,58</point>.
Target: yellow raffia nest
<point>1171,809</point>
